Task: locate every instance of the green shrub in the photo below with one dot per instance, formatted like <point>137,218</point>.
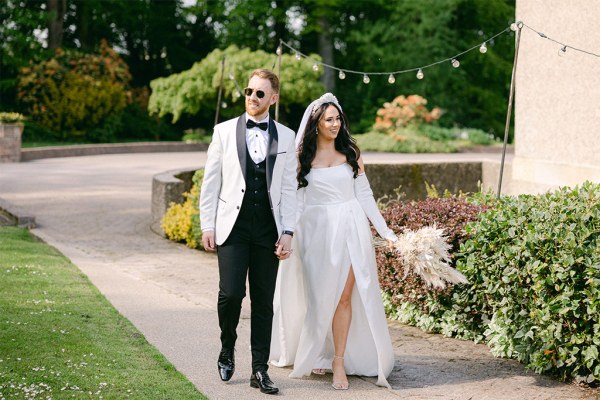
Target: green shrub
<point>181,222</point>
<point>477,136</point>
<point>412,142</point>
<point>533,263</point>
<point>423,138</point>
<point>73,93</point>
<point>438,133</point>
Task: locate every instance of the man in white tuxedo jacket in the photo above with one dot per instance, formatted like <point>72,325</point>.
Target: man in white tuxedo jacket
<point>247,214</point>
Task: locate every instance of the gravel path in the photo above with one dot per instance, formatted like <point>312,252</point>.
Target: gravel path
<point>96,210</point>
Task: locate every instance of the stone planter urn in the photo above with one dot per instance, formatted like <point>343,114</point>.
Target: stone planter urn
<point>10,141</point>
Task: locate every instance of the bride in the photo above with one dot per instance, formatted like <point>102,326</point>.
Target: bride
<point>328,309</point>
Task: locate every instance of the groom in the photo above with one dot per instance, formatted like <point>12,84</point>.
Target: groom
<point>247,214</point>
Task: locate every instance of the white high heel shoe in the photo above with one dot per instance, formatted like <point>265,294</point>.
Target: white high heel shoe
<point>339,385</point>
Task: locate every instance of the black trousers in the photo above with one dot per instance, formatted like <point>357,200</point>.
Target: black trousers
<point>245,254</point>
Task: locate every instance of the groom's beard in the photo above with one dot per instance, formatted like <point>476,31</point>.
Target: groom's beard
<point>256,111</point>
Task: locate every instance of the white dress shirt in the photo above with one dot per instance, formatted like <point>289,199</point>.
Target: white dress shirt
<point>257,141</point>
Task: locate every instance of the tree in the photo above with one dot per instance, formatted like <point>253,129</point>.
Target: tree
<point>56,16</point>
<point>18,45</point>
<point>194,92</point>
<point>380,35</point>
<point>72,93</point>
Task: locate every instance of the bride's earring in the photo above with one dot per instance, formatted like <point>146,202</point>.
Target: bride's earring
<point>317,131</point>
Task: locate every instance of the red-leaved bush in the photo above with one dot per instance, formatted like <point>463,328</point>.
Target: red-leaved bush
<point>450,214</point>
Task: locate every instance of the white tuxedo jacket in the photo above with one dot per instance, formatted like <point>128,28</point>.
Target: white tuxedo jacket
<point>224,181</point>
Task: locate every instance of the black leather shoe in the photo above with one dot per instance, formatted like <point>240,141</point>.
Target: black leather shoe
<point>226,364</point>
<point>261,380</point>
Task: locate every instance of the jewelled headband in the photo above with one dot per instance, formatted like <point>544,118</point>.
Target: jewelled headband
<point>326,98</point>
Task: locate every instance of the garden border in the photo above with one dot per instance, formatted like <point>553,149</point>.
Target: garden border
<point>465,176</point>
<point>36,153</point>
<point>15,215</point>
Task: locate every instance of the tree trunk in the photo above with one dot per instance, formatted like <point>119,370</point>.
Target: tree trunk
<point>83,15</point>
<point>326,52</point>
<point>56,13</point>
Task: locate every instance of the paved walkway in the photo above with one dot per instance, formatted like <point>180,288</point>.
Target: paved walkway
<point>96,210</point>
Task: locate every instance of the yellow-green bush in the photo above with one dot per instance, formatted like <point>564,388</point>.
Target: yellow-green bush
<point>181,222</point>
<point>78,103</point>
<point>72,93</point>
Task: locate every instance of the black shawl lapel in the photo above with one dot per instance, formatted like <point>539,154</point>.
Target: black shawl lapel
<point>241,142</point>
<point>272,153</point>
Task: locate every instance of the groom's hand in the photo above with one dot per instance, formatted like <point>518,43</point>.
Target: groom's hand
<point>208,240</point>
<point>283,247</point>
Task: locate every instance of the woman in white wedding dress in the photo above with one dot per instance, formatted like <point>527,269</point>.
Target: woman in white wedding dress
<point>328,309</point>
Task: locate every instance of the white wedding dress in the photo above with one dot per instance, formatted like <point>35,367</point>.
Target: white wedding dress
<point>332,235</point>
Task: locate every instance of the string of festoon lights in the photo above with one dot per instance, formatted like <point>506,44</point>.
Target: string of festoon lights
<point>563,46</point>
<point>453,60</point>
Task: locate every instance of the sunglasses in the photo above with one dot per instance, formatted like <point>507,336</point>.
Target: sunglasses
<point>259,93</point>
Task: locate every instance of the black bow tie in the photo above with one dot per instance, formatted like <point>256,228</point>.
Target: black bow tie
<point>262,126</point>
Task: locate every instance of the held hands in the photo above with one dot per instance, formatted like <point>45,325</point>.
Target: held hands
<point>283,247</point>
<point>208,240</point>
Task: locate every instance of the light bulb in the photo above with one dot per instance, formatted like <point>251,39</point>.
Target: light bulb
<point>297,56</point>
<point>562,51</point>
<point>391,79</point>
<point>513,27</point>
<point>455,63</point>
<point>279,51</point>
<point>483,48</point>
<point>315,67</point>
<point>420,74</point>
<point>366,79</point>
<point>342,75</point>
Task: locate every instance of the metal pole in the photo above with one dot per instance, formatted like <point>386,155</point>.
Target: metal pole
<point>279,53</point>
<point>220,91</point>
<point>510,102</point>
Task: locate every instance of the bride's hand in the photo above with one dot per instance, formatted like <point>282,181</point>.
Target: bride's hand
<point>283,247</point>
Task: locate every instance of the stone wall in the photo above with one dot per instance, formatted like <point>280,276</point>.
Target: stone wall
<point>168,187</point>
<point>411,178</point>
<point>10,142</point>
<point>110,148</point>
<point>455,177</point>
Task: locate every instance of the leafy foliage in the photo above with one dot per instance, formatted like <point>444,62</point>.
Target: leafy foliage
<point>181,222</point>
<point>165,37</point>
<point>72,92</point>
<point>18,44</point>
<point>533,263</point>
<point>423,139</point>
<point>403,111</point>
<point>195,90</point>
<point>409,34</point>
<point>450,214</point>
<point>11,117</point>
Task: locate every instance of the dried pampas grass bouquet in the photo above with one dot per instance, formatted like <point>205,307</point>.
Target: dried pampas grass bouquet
<point>425,253</point>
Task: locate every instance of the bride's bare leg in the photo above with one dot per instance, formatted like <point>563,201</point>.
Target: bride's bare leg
<point>341,325</point>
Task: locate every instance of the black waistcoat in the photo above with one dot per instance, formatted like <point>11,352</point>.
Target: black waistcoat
<point>255,222</point>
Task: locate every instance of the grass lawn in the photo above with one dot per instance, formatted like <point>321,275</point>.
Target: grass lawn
<point>60,338</point>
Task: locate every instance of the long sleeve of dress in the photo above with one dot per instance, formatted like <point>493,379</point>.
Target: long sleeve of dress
<point>299,203</point>
<point>364,195</point>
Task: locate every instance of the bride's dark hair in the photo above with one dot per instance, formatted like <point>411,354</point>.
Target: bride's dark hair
<point>344,143</point>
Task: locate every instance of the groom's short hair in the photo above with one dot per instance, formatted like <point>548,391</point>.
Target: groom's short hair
<point>266,74</point>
